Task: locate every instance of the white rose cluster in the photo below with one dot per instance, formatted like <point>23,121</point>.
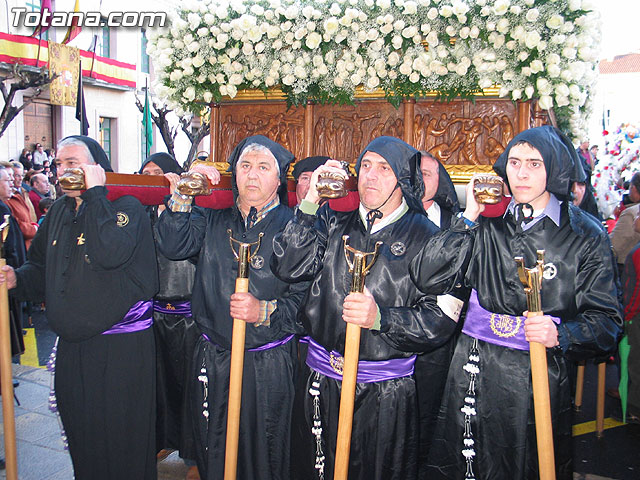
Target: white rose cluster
<point>325,49</point>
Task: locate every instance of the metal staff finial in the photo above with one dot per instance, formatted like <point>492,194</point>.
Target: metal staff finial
<point>4,232</point>
<point>531,278</point>
<point>358,268</point>
<point>243,255</point>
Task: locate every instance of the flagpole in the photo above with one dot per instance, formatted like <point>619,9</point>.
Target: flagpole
<point>81,99</point>
<point>146,127</point>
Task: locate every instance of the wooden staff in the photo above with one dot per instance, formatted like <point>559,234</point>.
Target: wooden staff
<point>6,375</point>
<point>243,256</point>
<point>358,269</point>
<point>532,281</point>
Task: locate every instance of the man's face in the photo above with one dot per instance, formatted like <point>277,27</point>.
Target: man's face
<point>527,176</point>
<point>257,178</point>
<point>634,194</point>
<point>584,145</point>
<point>41,183</point>
<point>302,186</point>
<point>6,184</point>
<point>152,169</point>
<point>376,183</point>
<point>578,190</point>
<point>71,156</point>
<point>39,147</point>
<point>430,175</point>
<point>18,175</point>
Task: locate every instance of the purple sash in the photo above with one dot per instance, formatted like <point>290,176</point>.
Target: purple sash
<point>497,328</point>
<point>261,348</point>
<point>139,317</point>
<point>330,365</point>
<point>182,308</point>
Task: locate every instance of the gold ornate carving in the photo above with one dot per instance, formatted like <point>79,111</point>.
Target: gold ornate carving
<point>463,173</point>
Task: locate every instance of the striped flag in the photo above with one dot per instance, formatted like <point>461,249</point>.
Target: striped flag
<point>45,5</point>
<point>74,29</point>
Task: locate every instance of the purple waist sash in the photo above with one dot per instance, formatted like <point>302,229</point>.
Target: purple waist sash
<point>497,328</point>
<point>139,317</point>
<point>182,308</point>
<point>330,365</point>
<point>261,348</point>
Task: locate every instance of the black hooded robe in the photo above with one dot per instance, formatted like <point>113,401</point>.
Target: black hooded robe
<point>384,442</point>
<point>176,335</point>
<point>267,384</point>
<point>91,266</point>
<point>579,288</point>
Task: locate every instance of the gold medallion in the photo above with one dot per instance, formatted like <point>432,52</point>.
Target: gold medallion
<point>336,362</point>
<point>505,326</point>
<point>122,219</point>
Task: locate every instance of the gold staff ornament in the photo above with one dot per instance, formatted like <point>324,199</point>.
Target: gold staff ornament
<point>359,269</point>
<point>531,278</point>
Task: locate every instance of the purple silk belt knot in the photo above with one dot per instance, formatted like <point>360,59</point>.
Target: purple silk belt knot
<point>330,365</point>
<point>182,308</point>
<point>261,348</point>
<point>497,328</point>
<point>139,317</point>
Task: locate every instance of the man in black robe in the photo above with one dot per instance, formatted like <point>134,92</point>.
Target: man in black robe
<point>93,262</point>
<point>397,319</point>
<point>486,427</point>
<point>176,334</point>
<point>259,168</point>
<point>302,171</point>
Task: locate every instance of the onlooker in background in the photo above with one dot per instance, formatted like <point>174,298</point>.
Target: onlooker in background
<point>25,159</point>
<point>623,237</point>
<point>44,205</point>
<point>302,172</point>
<point>585,157</point>
<point>40,188</point>
<point>39,155</point>
<point>583,198</point>
<point>631,303</point>
<point>19,187</point>
<point>20,210</point>
<point>593,150</point>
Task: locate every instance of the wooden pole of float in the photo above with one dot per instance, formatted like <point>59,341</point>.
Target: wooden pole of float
<point>6,375</point>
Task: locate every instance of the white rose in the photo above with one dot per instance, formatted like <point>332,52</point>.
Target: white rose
<point>247,49</point>
<point>386,29</point>
<point>410,8</point>
<point>432,14</point>
<point>221,12</point>
<point>528,91</point>
<point>232,91</point>
<point>175,75</point>
<point>392,74</point>
<point>461,69</point>
<point>291,12</point>
<point>300,33</point>
<point>198,61</point>
<point>446,11</point>
<point>553,70</point>
<point>569,53</point>
<point>503,25</point>
<point>543,86</point>
<point>501,7</point>
<point>300,71</point>
<point>574,91</point>
<point>545,102</point>
<point>526,71</point>
<point>474,32</point>
<point>393,59</point>
<point>409,32</point>
<point>532,15</point>
<point>532,39</point>
<point>503,92</point>
<point>338,82</point>
<point>432,39</point>
<point>459,8</point>
<point>335,9</point>
<point>450,30</point>
<point>288,79</point>
<point>383,4</point>
<point>355,79</point>
<point>485,83</point>
<point>555,21</point>
<point>405,69</point>
<point>189,94</point>
<point>398,25</point>
<point>516,94</point>
<point>235,79</point>
<point>373,82</point>
<point>313,40</point>
<point>396,41</point>
<point>536,66</point>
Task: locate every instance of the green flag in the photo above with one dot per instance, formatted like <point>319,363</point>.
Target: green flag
<point>623,349</point>
<point>147,123</point>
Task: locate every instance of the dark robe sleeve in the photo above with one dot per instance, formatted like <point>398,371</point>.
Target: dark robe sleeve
<point>288,305</point>
<point>597,326</point>
<point>181,235</point>
<point>112,236</point>
<point>31,275</point>
<point>419,328</point>
<point>298,251</point>
<point>441,265</point>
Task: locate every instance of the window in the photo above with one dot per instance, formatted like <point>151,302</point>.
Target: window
<point>106,135</point>
<point>105,42</point>
<point>35,6</point>
<point>144,58</point>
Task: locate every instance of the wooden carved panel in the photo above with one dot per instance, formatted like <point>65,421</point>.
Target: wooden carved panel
<point>342,131</point>
<point>464,133</point>
<point>273,120</point>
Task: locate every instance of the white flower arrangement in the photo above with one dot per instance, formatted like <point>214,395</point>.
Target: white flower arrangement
<point>323,49</point>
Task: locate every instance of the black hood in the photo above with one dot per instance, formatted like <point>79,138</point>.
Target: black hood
<point>283,156</point>
<point>405,162</point>
<point>308,164</point>
<point>166,162</point>
<point>446,196</point>
<point>561,161</point>
<point>99,155</point>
